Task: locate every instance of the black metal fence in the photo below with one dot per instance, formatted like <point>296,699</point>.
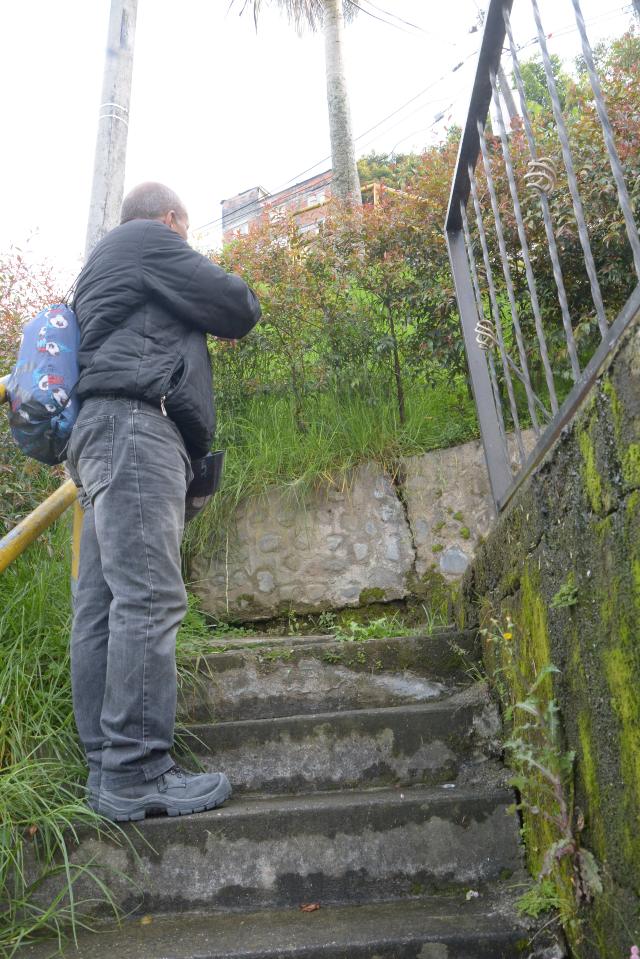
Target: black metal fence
<point>501,224</point>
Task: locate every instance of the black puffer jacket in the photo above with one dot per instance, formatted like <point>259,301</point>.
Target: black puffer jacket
<point>145,301</point>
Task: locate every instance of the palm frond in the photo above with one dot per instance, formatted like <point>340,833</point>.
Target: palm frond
<point>302,14</point>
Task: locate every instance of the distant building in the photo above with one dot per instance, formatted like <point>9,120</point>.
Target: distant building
<point>305,200</point>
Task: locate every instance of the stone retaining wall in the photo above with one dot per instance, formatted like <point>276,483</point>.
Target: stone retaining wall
<point>374,539</point>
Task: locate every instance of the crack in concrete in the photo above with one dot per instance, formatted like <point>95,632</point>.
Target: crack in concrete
<point>397,481</point>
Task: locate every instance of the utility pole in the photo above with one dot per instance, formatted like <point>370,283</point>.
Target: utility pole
<point>109,165</point>
<point>507,95</point>
<point>113,124</point>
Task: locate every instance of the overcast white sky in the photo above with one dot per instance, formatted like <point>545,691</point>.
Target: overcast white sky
<point>217,108</point>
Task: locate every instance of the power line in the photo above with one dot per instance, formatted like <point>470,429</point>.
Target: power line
<point>414,26</point>
<point>395,16</point>
<point>360,136</point>
<point>389,23</point>
<point>556,33</point>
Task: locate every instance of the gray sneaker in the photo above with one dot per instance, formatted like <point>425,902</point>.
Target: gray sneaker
<point>176,793</point>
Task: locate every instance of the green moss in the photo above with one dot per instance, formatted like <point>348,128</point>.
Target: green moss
<point>589,775</point>
<point>246,598</point>
<point>432,590</point>
<point>372,595</point>
<point>437,548</point>
<point>592,480</point>
<point>282,654</point>
<point>510,582</point>
<point>438,526</point>
<point>631,464</point>
<point>459,517</point>
<point>622,670</point>
<point>465,532</point>
<point>366,614</point>
<point>533,654</point>
<point>617,411</point>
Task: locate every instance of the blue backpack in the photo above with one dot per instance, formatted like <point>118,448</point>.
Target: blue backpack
<point>41,386</point>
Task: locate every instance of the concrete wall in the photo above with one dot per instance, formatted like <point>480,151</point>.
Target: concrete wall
<point>376,538</point>
<point>576,524</point>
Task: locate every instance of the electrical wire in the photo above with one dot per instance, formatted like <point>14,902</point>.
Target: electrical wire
<point>360,136</point>
<point>373,16</point>
<point>563,31</point>
<point>395,16</point>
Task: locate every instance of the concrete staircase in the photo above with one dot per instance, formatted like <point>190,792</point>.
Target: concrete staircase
<point>366,782</point>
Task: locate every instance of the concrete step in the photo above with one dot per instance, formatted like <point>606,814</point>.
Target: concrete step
<point>330,847</point>
<point>255,678</point>
<point>426,928</point>
<point>397,744</point>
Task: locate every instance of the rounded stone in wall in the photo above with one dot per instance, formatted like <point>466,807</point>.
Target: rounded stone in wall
<point>266,582</point>
<point>269,543</point>
<point>453,561</point>
<point>360,550</point>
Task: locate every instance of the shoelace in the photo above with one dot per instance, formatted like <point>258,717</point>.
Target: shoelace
<point>177,771</point>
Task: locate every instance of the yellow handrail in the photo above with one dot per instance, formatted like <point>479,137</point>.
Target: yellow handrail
<point>28,529</point>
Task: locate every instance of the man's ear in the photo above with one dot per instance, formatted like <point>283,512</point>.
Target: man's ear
<point>167,218</point>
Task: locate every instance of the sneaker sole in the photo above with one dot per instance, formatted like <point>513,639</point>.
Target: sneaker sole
<point>118,809</point>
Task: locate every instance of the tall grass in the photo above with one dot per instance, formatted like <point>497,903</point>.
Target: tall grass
<point>264,447</point>
<point>42,768</point>
<point>41,765</point>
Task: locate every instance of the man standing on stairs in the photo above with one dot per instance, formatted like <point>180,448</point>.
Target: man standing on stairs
<point>145,302</point>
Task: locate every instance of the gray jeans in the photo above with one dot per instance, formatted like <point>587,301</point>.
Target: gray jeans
<point>133,471</point>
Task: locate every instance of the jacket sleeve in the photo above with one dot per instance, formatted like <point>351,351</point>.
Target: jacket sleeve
<point>199,293</point>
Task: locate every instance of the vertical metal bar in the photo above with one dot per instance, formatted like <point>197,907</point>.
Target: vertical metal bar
<point>531,283</point>
<point>607,129</point>
<point>506,269</point>
<point>546,212</point>
<point>497,319</point>
<point>481,313</point>
<point>500,476</point>
<point>571,176</point>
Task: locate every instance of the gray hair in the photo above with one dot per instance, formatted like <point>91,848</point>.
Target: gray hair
<point>150,201</point>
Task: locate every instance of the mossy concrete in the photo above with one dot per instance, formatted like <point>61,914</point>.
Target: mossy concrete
<point>576,521</point>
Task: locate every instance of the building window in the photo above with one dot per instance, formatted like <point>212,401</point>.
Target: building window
<point>315,199</point>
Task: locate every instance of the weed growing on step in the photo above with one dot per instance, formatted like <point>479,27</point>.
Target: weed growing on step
<point>198,636</point>
<point>540,898</point>
<point>566,596</point>
<point>381,628</point>
<point>543,775</point>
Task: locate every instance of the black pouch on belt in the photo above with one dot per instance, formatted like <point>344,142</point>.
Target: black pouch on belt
<point>207,475</point>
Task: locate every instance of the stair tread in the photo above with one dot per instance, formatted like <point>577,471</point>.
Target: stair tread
<point>487,921</point>
<point>450,702</point>
<point>256,805</point>
<point>263,640</point>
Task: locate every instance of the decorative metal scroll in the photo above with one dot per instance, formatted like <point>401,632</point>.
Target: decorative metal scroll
<point>522,350</point>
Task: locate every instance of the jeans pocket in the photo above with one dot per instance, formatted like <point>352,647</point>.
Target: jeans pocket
<point>91,453</point>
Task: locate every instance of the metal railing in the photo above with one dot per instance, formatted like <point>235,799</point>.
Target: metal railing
<point>522,348</point>
<point>27,531</point>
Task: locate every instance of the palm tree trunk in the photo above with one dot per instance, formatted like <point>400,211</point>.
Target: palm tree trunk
<point>346,183</point>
